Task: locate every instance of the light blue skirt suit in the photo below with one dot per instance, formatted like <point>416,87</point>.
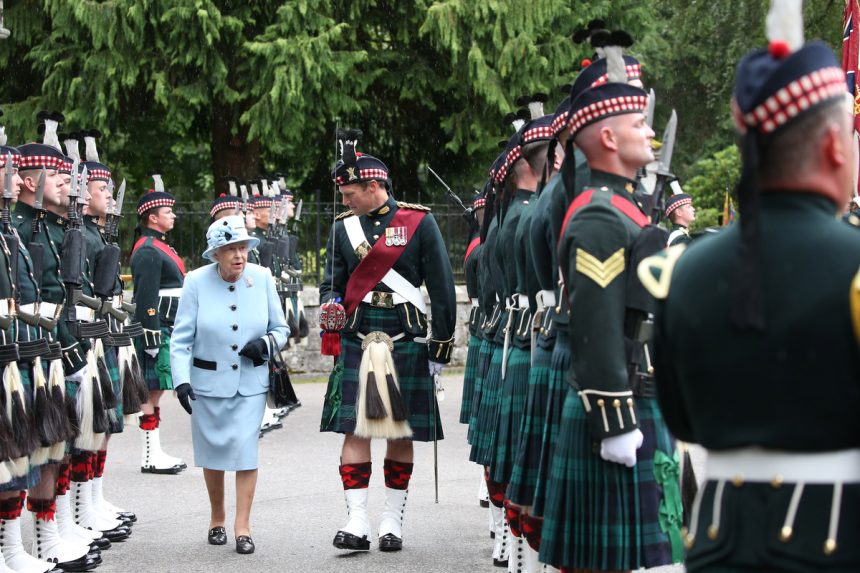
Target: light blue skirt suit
<point>214,321</point>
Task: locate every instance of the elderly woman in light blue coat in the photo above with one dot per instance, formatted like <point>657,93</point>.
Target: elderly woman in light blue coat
<point>228,323</point>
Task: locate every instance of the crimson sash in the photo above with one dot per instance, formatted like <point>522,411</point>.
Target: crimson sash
<point>164,248</point>
<point>475,242</point>
<point>379,260</point>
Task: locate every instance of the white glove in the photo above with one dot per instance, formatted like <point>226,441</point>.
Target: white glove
<point>77,377</point>
<point>621,449</point>
<point>152,352</point>
<point>435,368</point>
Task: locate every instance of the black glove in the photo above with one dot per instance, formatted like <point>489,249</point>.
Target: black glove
<point>257,351</point>
<point>185,394</point>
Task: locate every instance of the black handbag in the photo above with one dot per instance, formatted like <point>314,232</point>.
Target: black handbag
<point>281,392</point>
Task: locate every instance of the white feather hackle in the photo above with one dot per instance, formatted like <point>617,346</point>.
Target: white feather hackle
<point>518,124</point>
<point>2,135</point>
<point>158,182</point>
<point>785,23</point>
<point>536,109</point>
<point>616,70</point>
<point>72,148</point>
<point>50,137</point>
<point>231,185</point>
<point>91,149</point>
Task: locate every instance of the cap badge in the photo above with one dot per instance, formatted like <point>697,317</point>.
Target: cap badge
<point>350,171</point>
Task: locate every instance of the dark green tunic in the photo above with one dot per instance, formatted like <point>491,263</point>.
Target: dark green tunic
<point>791,387</point>
<point>52,289</point>
<point>424,260</point>
<point>679,235</point>
<point>153,270</point>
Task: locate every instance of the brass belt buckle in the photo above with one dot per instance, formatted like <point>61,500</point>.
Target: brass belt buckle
<point>382,299</point>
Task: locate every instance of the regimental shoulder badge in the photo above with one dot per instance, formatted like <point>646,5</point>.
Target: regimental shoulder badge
<point>151,311</point>
<point>396,237</point>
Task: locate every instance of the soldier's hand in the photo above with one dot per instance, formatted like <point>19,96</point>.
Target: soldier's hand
<point>152,352</point>
<point>185,394</point>
<point>257,351</point>
<point>621,449</point>
<point>435,368</point>
<point>77,377</point>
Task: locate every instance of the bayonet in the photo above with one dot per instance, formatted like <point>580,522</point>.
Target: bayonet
<point>668,145</point>
<point>7,180</point>
<point>40,190</point>
<point>467,211</point>
<point>649,107</point>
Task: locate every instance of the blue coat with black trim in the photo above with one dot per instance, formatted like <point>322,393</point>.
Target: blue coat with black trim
<point>214,321</point>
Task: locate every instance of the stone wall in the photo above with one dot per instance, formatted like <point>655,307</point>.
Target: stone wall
<point>306,358</point>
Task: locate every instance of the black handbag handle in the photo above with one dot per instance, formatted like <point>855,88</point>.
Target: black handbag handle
<point>275,353</point>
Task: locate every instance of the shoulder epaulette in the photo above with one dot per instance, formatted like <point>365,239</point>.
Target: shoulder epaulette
<point>344,215</point>
<point>414,206</point>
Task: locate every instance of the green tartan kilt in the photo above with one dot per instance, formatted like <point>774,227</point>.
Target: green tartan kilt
<point>602,515</point>
<point>156,371</point>
<point>469,378</point>
<point>512,404</point>
<point>112,362</point>
<point>524,475</point>
<point>481,452</point>
<point>485,354</point>
<point>412,364</point>
<point>34,474</point>
<point>557,388</point>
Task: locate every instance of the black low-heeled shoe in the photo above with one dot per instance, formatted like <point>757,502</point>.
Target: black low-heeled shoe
<point>245,545</point>
<point>218,536</point>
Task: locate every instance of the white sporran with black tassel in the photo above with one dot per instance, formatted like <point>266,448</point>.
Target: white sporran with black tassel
<point>380,410</point>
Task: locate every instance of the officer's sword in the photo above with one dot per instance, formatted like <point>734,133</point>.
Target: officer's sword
<point>433,392</point>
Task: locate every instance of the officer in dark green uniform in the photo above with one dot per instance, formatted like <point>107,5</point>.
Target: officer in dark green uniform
<point>610,410</point>
<point>680,212</point>
<point>158,273</point>
<point>758,332</point>
<point>388,348</point>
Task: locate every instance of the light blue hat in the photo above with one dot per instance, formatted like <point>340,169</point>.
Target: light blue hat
<point>227,231</point>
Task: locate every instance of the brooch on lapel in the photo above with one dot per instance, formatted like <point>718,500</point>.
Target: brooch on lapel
<point>249,282</point>
<point>395,236</point>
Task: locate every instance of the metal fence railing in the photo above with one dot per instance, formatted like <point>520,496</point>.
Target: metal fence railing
<point>189,235</point>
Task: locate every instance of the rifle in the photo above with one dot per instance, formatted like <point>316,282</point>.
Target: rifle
<point>11,240</point>
<point>73,262</point>
<point>107,260</point>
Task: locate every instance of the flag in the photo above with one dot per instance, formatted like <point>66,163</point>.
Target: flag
<point>728,210</point>
<point>850,64</point>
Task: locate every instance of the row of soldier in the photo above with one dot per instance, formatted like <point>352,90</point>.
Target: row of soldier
<point>581,472</point>
<point>79,361</point>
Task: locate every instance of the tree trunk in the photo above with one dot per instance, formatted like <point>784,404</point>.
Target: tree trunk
<point>232,153</point>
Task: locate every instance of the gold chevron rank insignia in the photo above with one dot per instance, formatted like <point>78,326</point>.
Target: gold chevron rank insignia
<point>603,272</point>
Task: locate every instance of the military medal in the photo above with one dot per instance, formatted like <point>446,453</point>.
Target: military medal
<point>395,237</point>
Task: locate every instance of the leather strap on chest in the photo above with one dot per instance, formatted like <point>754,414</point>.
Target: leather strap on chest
<point>164,248</point>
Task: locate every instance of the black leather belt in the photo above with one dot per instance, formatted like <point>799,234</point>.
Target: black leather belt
<point>8,353</point>
<point>205,364</point>
<point>644,386</point>
<point>55,352</point>
<point>31,349</point>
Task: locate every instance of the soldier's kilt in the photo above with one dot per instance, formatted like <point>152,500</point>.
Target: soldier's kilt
<point>602,515</point>
<point>469,378</point>
<point>33,476</point>
<point>482,438</point>
<point>524,475</point>
<point>413,373</point>
<point>485,354</point>
<point>156,371</point>
<point>512,404</point>
<point>116,420</point>
<point>557,388</point>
